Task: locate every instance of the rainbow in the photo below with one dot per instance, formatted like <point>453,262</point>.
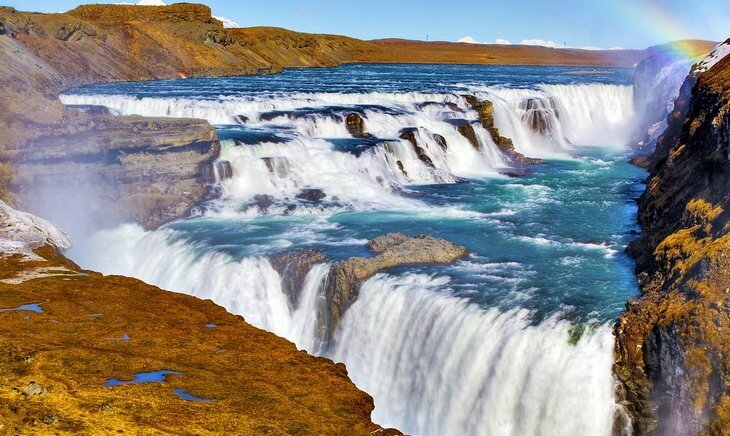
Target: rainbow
<point>654,18</point>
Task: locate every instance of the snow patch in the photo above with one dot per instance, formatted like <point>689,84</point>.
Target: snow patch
<point>716,55</point>
<point>227,22</point>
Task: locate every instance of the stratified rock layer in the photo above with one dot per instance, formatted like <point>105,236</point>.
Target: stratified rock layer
<point>673,344</point>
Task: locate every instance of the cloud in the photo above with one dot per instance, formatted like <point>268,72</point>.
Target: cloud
<point>534,42</point>
<point>468,40</point>
<point>540,42</point>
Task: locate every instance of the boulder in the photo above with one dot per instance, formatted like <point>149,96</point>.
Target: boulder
<point>356,126</point>
<point>262,202</point>
<point>391,250</point>
<point>311,195</point>
<point>34,390</point>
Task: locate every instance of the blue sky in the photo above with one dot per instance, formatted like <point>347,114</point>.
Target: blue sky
<point>587,23</point>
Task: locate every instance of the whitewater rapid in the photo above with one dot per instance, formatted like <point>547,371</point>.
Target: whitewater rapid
<point>435,362</point>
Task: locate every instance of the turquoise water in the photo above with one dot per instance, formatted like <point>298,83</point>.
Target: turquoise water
<point>516,338</point>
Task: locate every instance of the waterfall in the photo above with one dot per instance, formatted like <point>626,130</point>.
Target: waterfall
<point>554,120</point>
<point>439,365</point>
<point>435,363</point>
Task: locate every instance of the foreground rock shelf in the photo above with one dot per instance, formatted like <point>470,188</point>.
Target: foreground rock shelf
<point>54,364</point>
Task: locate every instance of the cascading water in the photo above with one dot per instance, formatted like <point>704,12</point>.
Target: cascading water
<point>445,366</point>
<point>513,340</point>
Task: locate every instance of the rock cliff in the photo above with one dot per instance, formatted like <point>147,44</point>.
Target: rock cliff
<point>673,344</point>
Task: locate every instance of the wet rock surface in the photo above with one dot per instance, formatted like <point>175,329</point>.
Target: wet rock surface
<point>293,267</point>
<point>485,109</point>
<point>356,126</point>
<point>410,136</point>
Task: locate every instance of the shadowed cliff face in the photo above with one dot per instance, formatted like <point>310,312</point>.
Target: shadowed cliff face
<point>673,345</point>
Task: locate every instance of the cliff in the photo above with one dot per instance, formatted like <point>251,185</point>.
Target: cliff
<point>73,341</point>
<point>673,344</point>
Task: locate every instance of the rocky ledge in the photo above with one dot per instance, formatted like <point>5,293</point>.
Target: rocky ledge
<point>673,343</point>
<point>81,353</point>
<point>342,286</point>
<point>116,169</point>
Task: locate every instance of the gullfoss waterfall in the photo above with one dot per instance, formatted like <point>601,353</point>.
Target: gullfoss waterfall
<point>514,339</point>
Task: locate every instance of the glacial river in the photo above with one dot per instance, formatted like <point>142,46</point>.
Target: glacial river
<point>513,340</point>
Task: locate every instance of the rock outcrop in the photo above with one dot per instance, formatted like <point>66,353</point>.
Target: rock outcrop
<point>147,170</point>
<point>673,344</point>
<point>293,267</point>
<point>485,109</point>
<point>391,250</point>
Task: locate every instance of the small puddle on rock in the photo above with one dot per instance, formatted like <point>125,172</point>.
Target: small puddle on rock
<point>125,337</point>
<point>210,326</point>
<point>26,307</point>
<point>143,377</point>
<point>185,396</point>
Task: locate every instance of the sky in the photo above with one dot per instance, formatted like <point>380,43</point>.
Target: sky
<point>583,24</point>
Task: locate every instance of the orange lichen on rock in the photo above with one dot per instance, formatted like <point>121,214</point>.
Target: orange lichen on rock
<point>54,365</point>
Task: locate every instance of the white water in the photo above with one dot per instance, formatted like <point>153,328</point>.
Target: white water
<point>439,365</point>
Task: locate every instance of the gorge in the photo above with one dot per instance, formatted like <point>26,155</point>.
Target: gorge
<point>274,207</point>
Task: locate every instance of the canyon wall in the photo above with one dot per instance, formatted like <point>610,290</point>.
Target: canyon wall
<point>673,343</point>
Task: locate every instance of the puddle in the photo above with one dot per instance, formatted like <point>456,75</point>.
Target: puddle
<point>26,307</point>
<point>210,326</point>
<point>185,396</point>
<point>94,315</point>
<point>221,351</point>
<point>143,377</point>
<point>125,337</point>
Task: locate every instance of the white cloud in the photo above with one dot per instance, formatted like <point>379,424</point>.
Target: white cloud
<point>468,40</point>
<point>539,42</point>
<point>534,42</point>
